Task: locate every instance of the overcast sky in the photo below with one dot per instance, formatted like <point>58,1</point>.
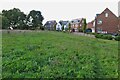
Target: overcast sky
<point>62,9</point>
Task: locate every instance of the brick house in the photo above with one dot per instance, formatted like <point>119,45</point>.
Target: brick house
<point>119,24</point>
<point>106,22</point>
<point>77,24</point>
<point>91,25</point>
<point>49,25</point>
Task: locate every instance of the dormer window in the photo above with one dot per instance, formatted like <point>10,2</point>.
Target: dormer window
<point>106,14</point>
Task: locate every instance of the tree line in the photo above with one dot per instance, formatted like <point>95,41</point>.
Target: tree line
<point>17,19</point>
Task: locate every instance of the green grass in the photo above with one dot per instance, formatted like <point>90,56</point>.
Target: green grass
<point>57,54</point>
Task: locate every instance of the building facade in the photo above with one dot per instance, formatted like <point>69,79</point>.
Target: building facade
<point>91,25</point>
<point>77,24</point>
<point>106,22</point>
<point>49,25</point>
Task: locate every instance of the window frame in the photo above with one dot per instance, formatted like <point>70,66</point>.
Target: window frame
<point>99,22</point>
<point>106,15</point>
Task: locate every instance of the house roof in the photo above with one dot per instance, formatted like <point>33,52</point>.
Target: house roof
<point>97,14</point>
<point>105,11</point>
<point>76,20</point>
<point>63,22</point>
<point>52,22</point>
<point>90,24</point>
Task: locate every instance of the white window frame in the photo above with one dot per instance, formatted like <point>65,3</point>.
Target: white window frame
<point>99,22</point>
<point>106,14</point>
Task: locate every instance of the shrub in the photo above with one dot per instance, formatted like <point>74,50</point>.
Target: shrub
<point>42,27</point>
<point>91,33</point>
<point>109,37</point>
<point>117,38</point>
<point>98,35</point>
<point>80,30</point>
<point>103,36</point>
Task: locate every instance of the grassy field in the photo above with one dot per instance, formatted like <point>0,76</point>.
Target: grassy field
<point>56,54</point>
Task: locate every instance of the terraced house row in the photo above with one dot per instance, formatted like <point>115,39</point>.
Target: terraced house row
<point>105,22</point>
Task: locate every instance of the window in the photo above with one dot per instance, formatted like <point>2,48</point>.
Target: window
<point>99,22</point>
<point>106,14</point>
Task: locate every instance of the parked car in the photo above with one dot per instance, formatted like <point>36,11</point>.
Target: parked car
<point>88,30</point>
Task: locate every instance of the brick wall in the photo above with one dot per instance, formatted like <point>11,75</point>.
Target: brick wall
<point>109,24</point>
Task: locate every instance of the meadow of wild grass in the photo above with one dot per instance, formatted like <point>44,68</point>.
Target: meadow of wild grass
<point>55,54</point>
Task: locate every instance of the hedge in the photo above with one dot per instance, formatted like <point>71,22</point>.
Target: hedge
<point>103,36</point>
<point>117,38</point>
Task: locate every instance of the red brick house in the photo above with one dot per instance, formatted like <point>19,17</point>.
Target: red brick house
<point>119,24</point>
<point>106,22</point>
<point>77,24</point>
<point>91,25</point>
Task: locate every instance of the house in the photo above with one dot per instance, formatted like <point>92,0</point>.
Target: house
<point>64,24</point>
<point>119,24</point>
<point>76,24</point>
<point>91,25</point>
<point>58,27</point>
<point>61,24</point>
<point>106,22</point>
<point>49,25</point>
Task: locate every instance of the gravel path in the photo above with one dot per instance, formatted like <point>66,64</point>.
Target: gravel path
<point>83,34</point>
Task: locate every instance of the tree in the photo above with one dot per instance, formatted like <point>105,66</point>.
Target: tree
<point>55,26</point>
<point>22,21</point>
<point>42,27</point>
<point>15,17</point>
<point>79,27</point>
<point>34,19</point>
<point>69,27</point>
<point>84,25</point>
<point>5,22</point>
<point>62,27</point>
